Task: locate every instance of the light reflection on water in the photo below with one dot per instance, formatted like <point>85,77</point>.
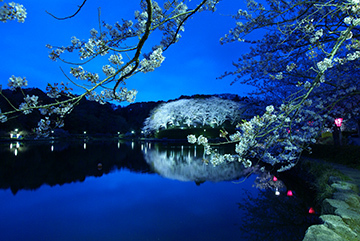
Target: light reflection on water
<point>58,192</point>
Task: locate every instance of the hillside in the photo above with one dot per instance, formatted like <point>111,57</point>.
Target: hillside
<point>89,116</point>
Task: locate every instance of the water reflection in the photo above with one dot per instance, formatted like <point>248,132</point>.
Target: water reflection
<point>272,217</point>
<point>185,163</point>
<point>30,165</point>
<point>131,202</point>
<point>55,163</point>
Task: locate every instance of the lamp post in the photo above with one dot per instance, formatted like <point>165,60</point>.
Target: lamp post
<point>337,132</point>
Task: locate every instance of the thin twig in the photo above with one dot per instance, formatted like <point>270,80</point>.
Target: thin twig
<point>71,16</point>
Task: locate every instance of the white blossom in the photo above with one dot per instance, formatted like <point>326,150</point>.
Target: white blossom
<point>270,108</point>
<point>108,70</point>
<point>17,82</point>
<point>29,104</point>
<point>325,64</point>
<point>279,76</point>
<point>116,59</point>
<point>12,11</point>
<point>154,61</point>
<point>191,139</point>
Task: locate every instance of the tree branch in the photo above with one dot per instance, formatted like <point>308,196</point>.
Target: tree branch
<point>71,16</point>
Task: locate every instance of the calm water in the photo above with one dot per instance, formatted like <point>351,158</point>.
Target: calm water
<point>136,191</point>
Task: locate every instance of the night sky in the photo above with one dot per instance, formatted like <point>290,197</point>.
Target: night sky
<point>191,65</point>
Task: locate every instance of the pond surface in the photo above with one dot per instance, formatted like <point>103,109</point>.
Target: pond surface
<point>137,191</point>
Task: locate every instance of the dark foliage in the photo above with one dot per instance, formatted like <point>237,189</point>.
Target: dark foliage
<point>89,116</point>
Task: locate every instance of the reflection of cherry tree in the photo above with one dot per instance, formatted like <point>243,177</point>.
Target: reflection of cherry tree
<point>212,112</point>
<point>186,164</point>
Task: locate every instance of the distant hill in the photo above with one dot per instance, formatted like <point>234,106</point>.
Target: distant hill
<point>90,116</point>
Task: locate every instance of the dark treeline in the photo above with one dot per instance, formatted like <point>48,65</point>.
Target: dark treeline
<point>89,116</point>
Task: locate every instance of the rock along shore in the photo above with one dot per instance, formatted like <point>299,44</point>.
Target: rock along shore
<point>340,214</point>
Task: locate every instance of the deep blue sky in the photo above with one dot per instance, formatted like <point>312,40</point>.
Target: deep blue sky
<point>191,65</point>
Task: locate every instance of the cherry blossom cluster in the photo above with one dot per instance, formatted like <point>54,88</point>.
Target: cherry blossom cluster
<point>306,65</point>
<point>154,61</point>
<point>17,82</point>
<point>273,138</point>
<point>29,104</point>
<point>111,42</point>
<point>12,11</point>
<point>107,95</point>
<point>210,112</point>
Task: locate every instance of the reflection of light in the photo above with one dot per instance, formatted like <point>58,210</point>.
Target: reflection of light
<point>132,145</point>
<point>277,193</point>
<point>84,145</point>
<point>289,193</point>
<point>52,148</point>
<point>195,151</point>
<point>311,210</point>
<point>16,148</point>
<point>119,145</point>
<point>144,148</point>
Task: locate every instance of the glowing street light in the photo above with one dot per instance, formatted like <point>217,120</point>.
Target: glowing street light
<point>338,122</point>
<point>337,131</point>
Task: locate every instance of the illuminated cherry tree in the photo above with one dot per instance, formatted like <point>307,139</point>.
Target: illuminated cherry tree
<point>212,112</point>
<point>306,64</point>
<point>119,45</point>
<point>307,61</point>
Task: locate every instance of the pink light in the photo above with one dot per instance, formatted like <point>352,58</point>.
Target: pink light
<point>289,193</point>
<point>311,211</point>
<point>275,179</point>
<point>338,122</point>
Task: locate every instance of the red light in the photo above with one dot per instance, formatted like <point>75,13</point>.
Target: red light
<point>338,122</point>
<point>311,211</point>
<point>275,179</point>
<point>289,193</point>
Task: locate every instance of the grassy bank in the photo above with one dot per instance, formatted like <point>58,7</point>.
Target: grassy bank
<point>317,174</point>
